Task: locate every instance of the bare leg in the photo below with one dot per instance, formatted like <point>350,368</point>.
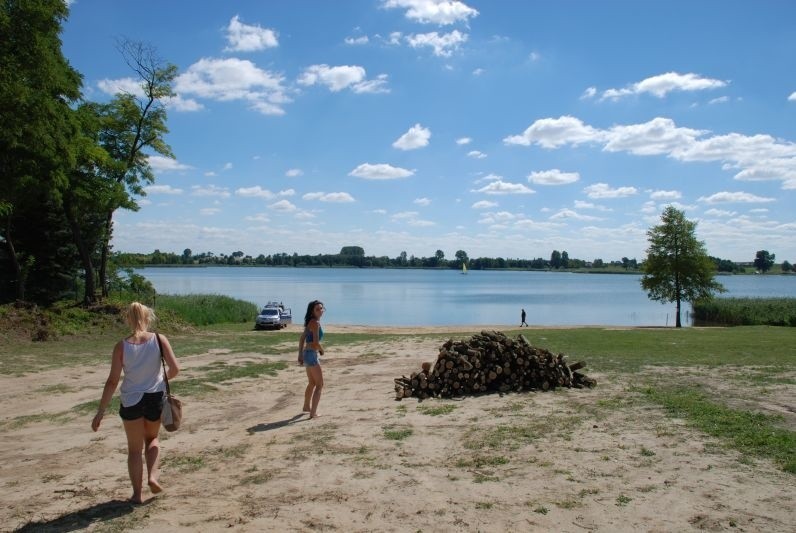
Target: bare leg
<point>152,442</point>
<point>134,429</point>
<point>317,377</point>
<point>308,391</point>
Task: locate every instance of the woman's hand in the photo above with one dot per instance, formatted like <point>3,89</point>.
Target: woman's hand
<point>300,359</point>
<point>95,424</point>
<point>320,351</point>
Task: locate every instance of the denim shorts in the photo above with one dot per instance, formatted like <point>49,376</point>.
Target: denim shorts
<point>149,407</point>
<point>311,358</point>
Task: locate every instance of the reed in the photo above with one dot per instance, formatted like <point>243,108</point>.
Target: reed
<point>745,312</point>
<point>206,309</point>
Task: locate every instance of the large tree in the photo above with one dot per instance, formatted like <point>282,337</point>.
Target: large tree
<point>37,132</point>
<point>764,260</point>
<point>677,267</point>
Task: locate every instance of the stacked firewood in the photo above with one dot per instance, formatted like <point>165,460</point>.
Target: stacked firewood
<point>491,362</point>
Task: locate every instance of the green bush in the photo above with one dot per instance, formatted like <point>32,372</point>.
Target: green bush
<point>745,312</point>
<point>204,309</point>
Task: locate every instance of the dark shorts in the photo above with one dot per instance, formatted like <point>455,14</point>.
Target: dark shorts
<point>149,407</point>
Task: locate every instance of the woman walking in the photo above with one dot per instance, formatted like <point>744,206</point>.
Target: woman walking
<point>142,395</point>
<point>309,350</point>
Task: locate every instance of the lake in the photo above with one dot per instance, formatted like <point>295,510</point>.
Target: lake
<point>408,297</point>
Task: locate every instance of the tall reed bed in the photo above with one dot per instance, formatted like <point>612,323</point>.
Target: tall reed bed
<point>745,312</point>
<point>206,309</point>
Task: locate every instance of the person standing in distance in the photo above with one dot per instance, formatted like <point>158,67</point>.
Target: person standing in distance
<point>309,350</point>
<point>142,395</point>
<point>523,322</point>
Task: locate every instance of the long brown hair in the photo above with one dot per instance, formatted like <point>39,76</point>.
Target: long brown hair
<point>310,314</point>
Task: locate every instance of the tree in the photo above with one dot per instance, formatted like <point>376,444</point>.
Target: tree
<point>461,257</point>
<point>555,259</point>
<point>786,266</point>
<point>764,260</point>
<point>598,263</point>
<point>677,267</point>
<point>134,123</point>
<point>355,251</point>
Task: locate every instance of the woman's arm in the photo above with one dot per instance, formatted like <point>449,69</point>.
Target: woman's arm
<point>110,385</point>
<point>314,329</point>
<point>301,347</point>
<point>171,359</point>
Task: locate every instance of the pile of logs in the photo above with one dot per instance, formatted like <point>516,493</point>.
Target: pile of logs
<point>491,362</point>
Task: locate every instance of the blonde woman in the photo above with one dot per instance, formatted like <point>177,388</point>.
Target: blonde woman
<point>142,395</point>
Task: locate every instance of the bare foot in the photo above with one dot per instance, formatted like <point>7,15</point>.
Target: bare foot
<point>316,415</point>
<point>136,499</point>
<point>154,486</point>
<point>306,409</point>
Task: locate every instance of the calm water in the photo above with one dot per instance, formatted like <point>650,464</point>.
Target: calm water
<point>432,297</point>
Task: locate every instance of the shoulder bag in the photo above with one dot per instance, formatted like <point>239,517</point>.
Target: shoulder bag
<point>171,416</point>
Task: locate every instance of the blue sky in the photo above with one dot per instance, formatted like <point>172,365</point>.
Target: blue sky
<point>500,128</point>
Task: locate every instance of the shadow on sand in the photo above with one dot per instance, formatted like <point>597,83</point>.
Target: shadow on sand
<point>259,428</point>
<point>83,518</point>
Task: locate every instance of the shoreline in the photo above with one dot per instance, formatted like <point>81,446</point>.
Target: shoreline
<point>459,328</point>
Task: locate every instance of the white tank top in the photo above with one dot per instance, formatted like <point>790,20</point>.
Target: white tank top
<point>142,371</point>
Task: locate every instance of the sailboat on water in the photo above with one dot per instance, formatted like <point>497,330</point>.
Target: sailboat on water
<point>464,268</point>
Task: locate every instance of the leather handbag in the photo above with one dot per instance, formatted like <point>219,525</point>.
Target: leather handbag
<point>171,416</point>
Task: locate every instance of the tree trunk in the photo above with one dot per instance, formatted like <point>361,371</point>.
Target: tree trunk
<point>677,315</point>
<point>103,269</point>
<point>90,296</point>
<point>12,253</point>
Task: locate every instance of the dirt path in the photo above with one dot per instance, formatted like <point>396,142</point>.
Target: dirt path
<point>574,460</point>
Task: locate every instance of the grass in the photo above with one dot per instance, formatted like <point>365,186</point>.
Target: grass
<point>623,500</point>
<point>750,433</point>
<point>219,374</point>
<point>397,433</point>
<point>746,311</point>
<point>513,436</point>
<point>207,309</point>
<point>436,410</point>
<point>480,461</point>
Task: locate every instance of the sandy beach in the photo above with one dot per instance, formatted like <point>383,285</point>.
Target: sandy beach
<point>247,459</point>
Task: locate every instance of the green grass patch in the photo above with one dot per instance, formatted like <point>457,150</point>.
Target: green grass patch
<point>750,433</point>
<point>480,461</point>
<point>206,309</point>
<point>513,436</point>
<point>220,374</point>
<point>397,433</point>
<point>746,312</point>
<point>184,463</point>
<point>436,410</point>
<point>87,408</point>
<point>623,500</point>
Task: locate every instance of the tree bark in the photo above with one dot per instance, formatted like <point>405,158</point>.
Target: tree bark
<point>106,245</point>
<point>12,253</point>
<point>89,296</point>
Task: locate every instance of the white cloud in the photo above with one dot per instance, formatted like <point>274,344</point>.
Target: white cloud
<point>555,132</point>
<point>416,137</point>
<point>663,84</point>
<point>564,214</point>
<point>440,12</point>
<point>357,40</point>
<point>404,215</point>
<point>254,192</point>
<point>475,154</point>
<point>734,197</point>
<point>719,100</point>
<point>260,217</point>
<point>210,173</point>
<point>166,164</point>
<point>656,137</point>
<point>720,213</point>
<point>379,211</point>
<point>332,197</point>
<point>759,210</point>
<point>484,204</point>
<point>234,79</point>
<point>227,166</point>
<point>343,77</point>
<point>666,195</point>
<point>380,171</point>
<point>162,189</point>
<point>649,208</point>
<point>589,93</point>
<point>395,38</point>
<point>410,219</point>
<point>178,103</point>
<point>294,172</point>
<point>534,56</point>
<point>463,140</point>
<point>792,97</point>
<point>121,85</point>
<point>444,45</point>
<point>553,177</point>
<point>503,187</point>
<point>603,190</point>
<point>245,38</point>
<point>422,202</point>
<point>489,177</point>
<point>580,204</point>
<point>478,71</point>
<point>286,192</point>
<point>210,190</point>
<point>283,206</point>
<point>207,211</point>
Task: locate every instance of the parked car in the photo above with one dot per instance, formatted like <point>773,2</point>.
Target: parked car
<point>269,318</point>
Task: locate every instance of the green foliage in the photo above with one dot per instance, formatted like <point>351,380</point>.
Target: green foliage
<point>677,267</point>
<point>746,312</point>
<point>354,251</point>
<point>764,260</point>
<point>397,433</point>
<point>751,433</point>
<point>203,310</point>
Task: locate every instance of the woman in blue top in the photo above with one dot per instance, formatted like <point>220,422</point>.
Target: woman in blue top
<point>309,349</point>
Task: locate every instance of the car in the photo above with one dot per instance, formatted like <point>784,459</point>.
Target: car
<point>269,318</point>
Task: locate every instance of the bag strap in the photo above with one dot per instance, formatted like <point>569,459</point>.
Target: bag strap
<point>163,361</point>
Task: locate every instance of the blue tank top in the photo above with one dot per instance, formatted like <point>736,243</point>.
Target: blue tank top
<point>320,334</point>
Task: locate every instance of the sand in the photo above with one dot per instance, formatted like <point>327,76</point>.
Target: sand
<point>247,459</point>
